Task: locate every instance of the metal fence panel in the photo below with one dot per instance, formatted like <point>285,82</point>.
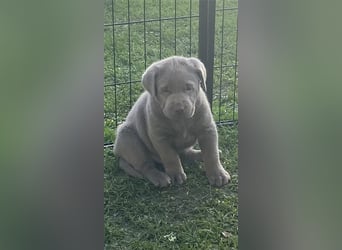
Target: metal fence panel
<point>139,32</point>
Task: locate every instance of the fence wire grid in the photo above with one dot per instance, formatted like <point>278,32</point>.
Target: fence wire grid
<point>140,32</point>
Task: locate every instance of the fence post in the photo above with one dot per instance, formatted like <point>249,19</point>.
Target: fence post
<point>207,9</point>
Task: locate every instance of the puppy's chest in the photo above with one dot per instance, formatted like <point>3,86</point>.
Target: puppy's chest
<point>182,136</point>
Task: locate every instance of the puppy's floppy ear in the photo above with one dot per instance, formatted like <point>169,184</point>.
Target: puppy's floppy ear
<point>201,71</point>
<point>149,79</point>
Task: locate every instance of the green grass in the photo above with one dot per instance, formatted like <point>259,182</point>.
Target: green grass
<point>190,216</point>
<point>193,215</point>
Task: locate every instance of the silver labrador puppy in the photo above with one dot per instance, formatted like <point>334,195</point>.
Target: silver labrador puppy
<point>166,121</point>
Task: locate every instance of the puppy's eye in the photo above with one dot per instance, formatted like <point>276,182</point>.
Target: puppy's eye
<point>165,91</point>
<point>189,87</point>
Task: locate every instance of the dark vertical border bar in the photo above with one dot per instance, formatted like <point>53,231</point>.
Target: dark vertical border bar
<point>207,9</point>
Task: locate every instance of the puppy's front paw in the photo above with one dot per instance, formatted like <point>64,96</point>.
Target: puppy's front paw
<point>158,178</point>
<point>177,177</point>
<point>218,177</point>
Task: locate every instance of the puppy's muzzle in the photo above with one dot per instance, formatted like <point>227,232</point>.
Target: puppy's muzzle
<point>178,108</point>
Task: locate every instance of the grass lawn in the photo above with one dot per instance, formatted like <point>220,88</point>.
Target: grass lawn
<point>194,215</point>
<point>190,216</point>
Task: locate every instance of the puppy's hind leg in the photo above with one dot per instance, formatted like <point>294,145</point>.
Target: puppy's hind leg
<point>192,154</point>
<point>135,159</point>
<point>124,165</point>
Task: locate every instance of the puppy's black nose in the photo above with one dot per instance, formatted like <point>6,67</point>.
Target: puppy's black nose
<point>179,109</point>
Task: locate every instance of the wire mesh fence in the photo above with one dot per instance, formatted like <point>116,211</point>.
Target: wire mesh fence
<point>139,32</point>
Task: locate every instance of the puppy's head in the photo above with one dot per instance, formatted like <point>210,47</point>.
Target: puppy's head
<point>175,83</point>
